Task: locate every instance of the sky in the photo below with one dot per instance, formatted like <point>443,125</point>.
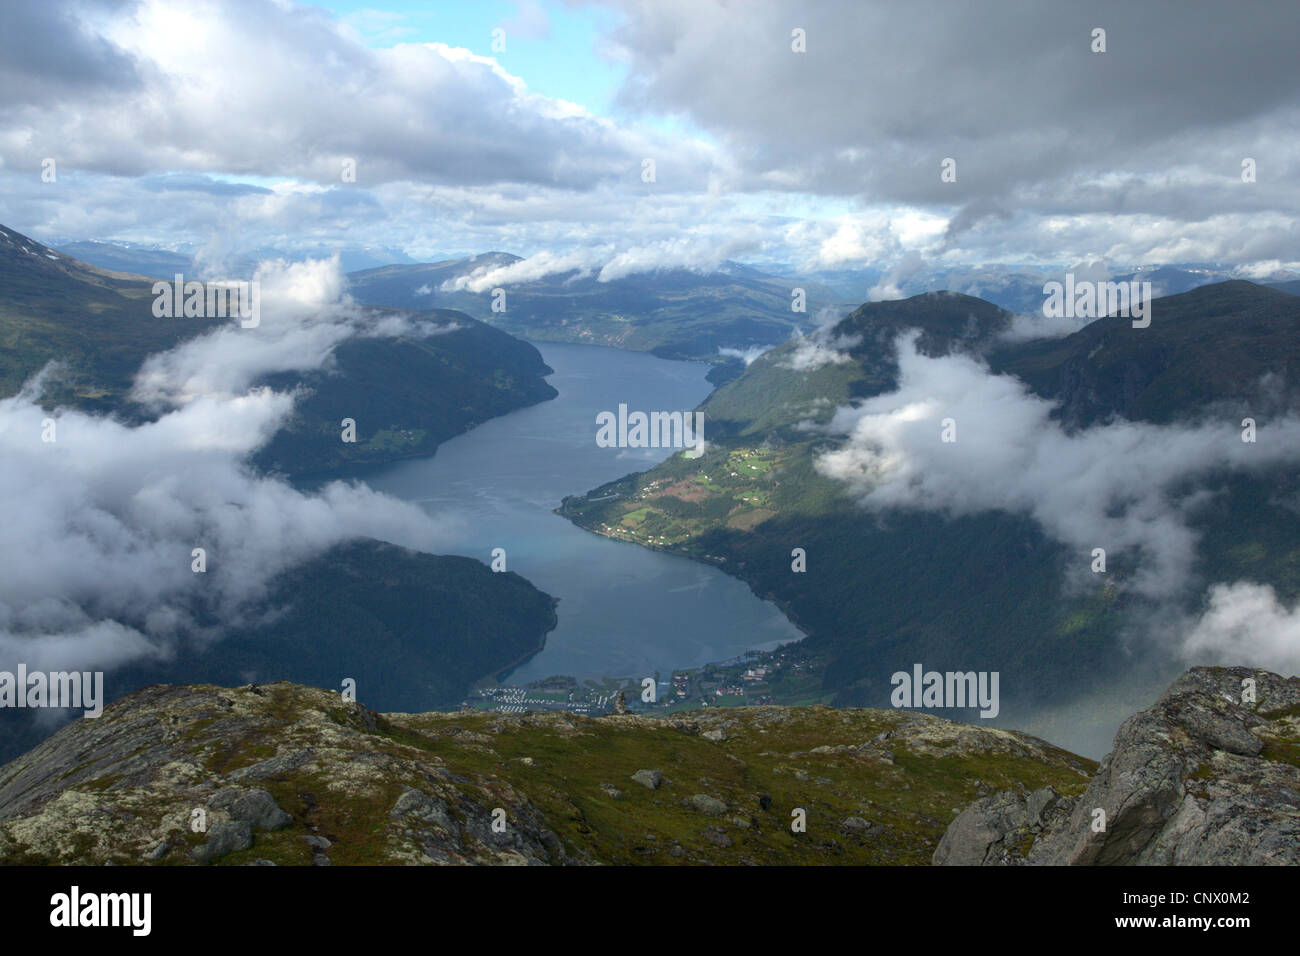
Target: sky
<point>812,135</point>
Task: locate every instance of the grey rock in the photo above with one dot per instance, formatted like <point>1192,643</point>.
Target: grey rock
<point>224,838</point>
<point>275,765</point>
<point>717,837</point>
<point>859,826</point>
<point>419,806</point>
<point>707,804</point>
<point>318,842</point>
<point>1199,778</point>
<point>650,779</point>
<point>255,807</point>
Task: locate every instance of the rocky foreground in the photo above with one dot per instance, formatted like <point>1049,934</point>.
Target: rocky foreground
<point>1202,777</point>
<point>285,774</point>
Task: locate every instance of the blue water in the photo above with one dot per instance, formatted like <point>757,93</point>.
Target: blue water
<point>623,610</point>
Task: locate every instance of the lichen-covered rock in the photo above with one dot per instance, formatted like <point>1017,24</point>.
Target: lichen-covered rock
<point>1209,775</point>
<point>115,790</point>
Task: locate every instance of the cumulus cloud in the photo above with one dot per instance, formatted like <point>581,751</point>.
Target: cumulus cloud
<point>455,153</point>
<point>1113,487</point>
<point>273,101</point>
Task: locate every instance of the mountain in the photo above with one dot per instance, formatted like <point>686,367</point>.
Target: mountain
<point>407,393</point>
<point>121,257</point>
<point>673,313</point>
<point>1017,288</point>
<point>978,590</point>
<point>414,631</point>
<point>98,325</point>
<point>166,263</point>
<point>1232,344</point>
<point>291,775</point>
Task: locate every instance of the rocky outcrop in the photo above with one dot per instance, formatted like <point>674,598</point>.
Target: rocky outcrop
<point>1209,775</point>
<point>277,772</point>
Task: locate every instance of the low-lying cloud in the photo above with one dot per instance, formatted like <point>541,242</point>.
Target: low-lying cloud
<point>307,313</point>
<point>701,255</point>
<point>98,547</point>
<point>1114,487</point>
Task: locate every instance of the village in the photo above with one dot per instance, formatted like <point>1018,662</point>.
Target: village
<point>782,676</point>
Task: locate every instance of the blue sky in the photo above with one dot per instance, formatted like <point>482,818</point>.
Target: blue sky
<point>560,59</point>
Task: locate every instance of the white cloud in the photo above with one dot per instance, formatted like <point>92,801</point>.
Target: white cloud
<point>1106,487</point>
<point>820,348</point>
<point>98,557</point>
<point>306,312</point>
<point>1245,624</point>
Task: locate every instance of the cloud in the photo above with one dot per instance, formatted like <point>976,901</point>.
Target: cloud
<point>746,355</point>
<point>1246,624</point>
<point>98,555</point>
<point>1113,487</point>
<point>294,93</point>
<point>305,313</point>
<point>486,278</point>
<point>909,265</point>
<point>1134,156</point>
<point>819,348</point>
<point>700,254</point>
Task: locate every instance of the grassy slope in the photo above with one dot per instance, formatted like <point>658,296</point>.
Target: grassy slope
<point>99,325</point>
<point>108,790</point>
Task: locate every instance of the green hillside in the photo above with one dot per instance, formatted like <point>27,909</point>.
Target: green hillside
<point>407,395</point>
